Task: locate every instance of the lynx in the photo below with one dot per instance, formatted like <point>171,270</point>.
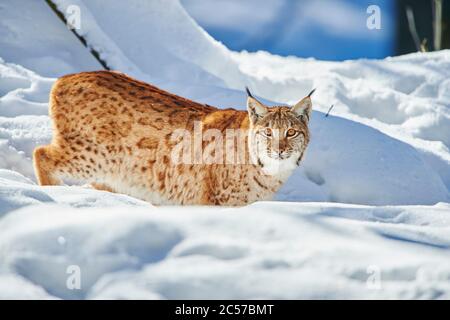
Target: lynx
<point>118,134</point>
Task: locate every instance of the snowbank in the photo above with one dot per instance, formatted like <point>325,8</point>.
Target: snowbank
<point>405,97</point>
<point>33,36</point>
<point>267,250</point>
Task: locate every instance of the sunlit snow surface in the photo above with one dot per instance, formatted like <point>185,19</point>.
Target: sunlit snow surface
<point>383,151</point>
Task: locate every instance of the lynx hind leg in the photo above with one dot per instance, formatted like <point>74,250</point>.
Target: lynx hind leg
<point>46,161</point>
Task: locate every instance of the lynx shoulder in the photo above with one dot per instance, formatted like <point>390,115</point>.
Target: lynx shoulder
<point>127,136</point>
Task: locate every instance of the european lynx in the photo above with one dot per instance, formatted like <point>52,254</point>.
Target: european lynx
<point>120,134</point>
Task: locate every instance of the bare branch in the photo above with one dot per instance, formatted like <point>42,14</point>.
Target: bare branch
<point>329,110</point>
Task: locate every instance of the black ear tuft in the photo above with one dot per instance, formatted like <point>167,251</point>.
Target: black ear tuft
<point>248,92</point>
<point>311,93</point>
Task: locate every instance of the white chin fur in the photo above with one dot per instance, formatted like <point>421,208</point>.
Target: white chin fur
<point>281,168</point>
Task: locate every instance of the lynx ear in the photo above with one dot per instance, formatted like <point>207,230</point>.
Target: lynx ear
<point>255,108</point>
<point>303,108</point>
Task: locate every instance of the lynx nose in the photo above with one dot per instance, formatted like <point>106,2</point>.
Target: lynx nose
<point>281,154</point>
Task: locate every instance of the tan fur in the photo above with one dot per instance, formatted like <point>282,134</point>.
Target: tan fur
<point>115,132</point>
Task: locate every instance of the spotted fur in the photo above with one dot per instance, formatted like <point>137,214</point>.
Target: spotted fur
<point>116,133</point>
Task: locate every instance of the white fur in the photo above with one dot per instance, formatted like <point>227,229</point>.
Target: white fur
<point>279,168</point>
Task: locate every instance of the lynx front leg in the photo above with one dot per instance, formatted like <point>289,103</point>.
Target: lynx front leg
<point>102,186</point>
<point>45,162</point>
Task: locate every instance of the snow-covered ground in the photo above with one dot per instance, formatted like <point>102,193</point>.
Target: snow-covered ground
<point>367,214</point>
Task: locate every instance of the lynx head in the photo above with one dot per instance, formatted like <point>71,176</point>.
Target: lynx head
<point>278,135</point>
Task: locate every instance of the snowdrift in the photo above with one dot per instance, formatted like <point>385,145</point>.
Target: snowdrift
<point>32,36</point>
<point>126,248</point>
<point>384,146</point>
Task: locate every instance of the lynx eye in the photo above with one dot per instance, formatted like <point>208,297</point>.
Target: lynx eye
<point>267,132</point>
<point>290,133</point>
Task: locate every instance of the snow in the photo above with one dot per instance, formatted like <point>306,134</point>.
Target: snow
<point>130,249</point>
<point>369,201</point>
